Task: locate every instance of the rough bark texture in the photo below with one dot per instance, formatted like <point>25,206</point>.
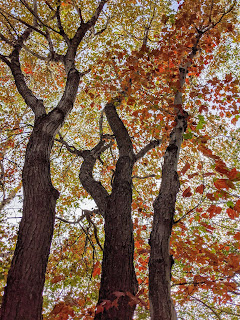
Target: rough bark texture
<point>22,298</point>
<point>23,293</point>
<point>160,263</point>
<point>118,275</point>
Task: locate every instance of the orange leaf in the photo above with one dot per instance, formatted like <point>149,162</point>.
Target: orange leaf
<point>96,269</point>
<point>237,236</point>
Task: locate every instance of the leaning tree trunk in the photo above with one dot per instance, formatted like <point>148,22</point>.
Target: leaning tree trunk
<point>160,262</point>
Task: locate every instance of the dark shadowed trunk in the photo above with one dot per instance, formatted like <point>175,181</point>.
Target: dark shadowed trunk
<point>118,273</point>
<point>23,293</point>
<point>160,262</point>
<point>22,298</point>
<point>118,276</point>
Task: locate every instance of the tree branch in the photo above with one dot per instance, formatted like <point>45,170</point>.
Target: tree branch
<point>62,32</point>
<point>118,128</point>
<point>152,144</point>
<point>96,14</point>
<point>27,94</point>
<point>85,213</point>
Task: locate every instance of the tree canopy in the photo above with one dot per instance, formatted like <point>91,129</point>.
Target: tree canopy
<point>124,118</point>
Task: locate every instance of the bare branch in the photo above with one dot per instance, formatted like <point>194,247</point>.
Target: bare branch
<point>5,59</point>
<point>145,177</point>
<point>101,124</point>
<point>95,230</point>
<point>147,29</point>
<point>152,144</point>
<point>103,29</point>
<point>37,17</point>
<point>24,22</point>
<point>96,14</point>
<point>207,306</point>
<point>35,104</point>
<point>223,15</point>
<point>190,211</point>
<point>62,32</point>
<point>85,213</point>
<point>71,149</point>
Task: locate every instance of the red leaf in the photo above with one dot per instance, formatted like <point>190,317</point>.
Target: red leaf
<point>213,210</point>
<point>119,294</point>
<point>237,206</point>
<point>185,168</point>
<point>221,167</point>
<point>205,150</point>
<point>99,309</point>
<point>96,269</point>
<point>232,213</point>
<point>233,174</point>
<point>200,189</point>
<point>187,192</point>
<point>237,236</point>
<point>221,184</point>
<point>210,196</point>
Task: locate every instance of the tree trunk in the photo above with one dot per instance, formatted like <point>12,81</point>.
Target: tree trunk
<point>118,275</point>
<point>118,279</point>
<point>23,294</point>
<point>160,262</point>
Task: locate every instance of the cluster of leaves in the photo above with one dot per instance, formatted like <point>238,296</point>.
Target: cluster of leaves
<point>140,47</point>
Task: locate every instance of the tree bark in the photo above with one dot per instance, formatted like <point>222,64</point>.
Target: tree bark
<point>118,275</point>
<point>23,294</point>
<point>160,262</point>
<point>22,298</point>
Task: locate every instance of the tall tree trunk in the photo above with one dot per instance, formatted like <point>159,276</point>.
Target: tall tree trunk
<point>160,263</point>
<point>23,294</point>
<point>22,298</point>
<point>118,275</point>
<point>118,280</point>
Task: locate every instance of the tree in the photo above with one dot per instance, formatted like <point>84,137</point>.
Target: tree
<point>23,293</point>
<point>145,77</point>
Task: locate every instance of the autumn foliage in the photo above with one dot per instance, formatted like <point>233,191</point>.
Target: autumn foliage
<point>156,63</point>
